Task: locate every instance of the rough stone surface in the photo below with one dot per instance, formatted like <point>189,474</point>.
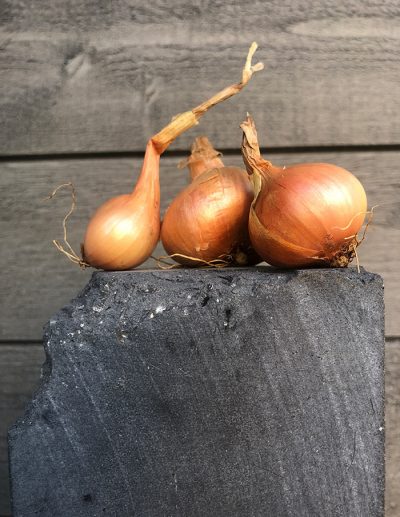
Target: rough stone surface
<point>237,392</point>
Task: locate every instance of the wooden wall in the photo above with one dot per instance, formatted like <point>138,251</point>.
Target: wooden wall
<point>84,84</point>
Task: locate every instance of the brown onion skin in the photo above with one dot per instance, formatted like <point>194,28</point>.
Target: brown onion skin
<point>307,215</point>
<point>304,215</point>
<point>209,219</point>
<point>124,231</point>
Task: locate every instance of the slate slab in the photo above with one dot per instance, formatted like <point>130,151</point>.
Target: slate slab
<point>235,392</point>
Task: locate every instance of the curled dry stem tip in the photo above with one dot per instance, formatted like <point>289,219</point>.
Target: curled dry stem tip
<point>249,69</point>
<point>68,251</point>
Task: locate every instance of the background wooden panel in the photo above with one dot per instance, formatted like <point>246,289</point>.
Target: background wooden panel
<point>20,366</point>
<point>39,280</point>
<point>103,76</point>
<point>392,424</point>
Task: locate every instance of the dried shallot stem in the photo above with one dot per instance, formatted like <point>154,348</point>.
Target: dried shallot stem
<point>203,158</point>
<point>188,119</point>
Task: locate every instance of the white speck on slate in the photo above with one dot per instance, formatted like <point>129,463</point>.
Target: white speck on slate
<point>160,308</point>
<point>97,309</point>
<point>151,315</point>
<point>82,325</point>
<point>185,311</point>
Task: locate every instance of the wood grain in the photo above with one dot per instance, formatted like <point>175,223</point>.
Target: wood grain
<point>84,76</point>
<point>392,428</point>
<point>20,371</point>
<point>39,280</point>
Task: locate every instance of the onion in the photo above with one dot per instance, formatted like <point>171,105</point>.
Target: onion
<point>124,231</point>
<point>206,224</point>
<point>302,215</point>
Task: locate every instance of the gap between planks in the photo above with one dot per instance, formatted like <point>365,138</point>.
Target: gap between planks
<point>109,155</point>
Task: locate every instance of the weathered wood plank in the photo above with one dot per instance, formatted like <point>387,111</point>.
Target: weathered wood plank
<point>19,375</point>
<point>90,77</point>
<point>40,280</point>
<point>392,387</point>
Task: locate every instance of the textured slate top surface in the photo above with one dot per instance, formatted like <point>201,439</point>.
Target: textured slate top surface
<point>208,392</point>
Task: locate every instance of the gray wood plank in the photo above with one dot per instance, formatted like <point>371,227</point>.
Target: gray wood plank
<point>84,76</point>
<point>39,280</point>
<point>392,381</point>
<point>19,376</point>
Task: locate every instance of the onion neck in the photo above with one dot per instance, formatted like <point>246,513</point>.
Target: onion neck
<point>148,184</point>
<point>254,162</point>
<point>203,158</point>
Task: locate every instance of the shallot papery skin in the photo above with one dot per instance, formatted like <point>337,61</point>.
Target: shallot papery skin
<point>208,220</point>
<point>125,230</point>
<point>303,215</point>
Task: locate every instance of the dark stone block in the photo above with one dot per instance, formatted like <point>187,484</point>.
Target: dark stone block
<point>235,392</point>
